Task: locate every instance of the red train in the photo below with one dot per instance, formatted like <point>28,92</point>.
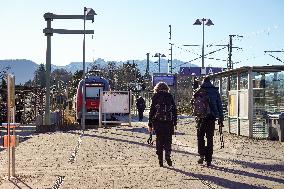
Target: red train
<point>94,85</point>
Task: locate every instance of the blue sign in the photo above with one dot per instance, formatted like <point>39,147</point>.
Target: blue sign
<point>196,71</point>
<point>168,79</point>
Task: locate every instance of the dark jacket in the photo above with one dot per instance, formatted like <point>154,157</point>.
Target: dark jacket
<point>215,100</point>
<point>162,127</point>
<point>140,104</point>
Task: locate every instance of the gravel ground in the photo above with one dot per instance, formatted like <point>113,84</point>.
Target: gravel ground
<point>119,157</point>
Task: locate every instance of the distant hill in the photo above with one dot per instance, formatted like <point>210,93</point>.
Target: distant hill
<point>21,68</point>
<point>73,66</point>
<point>24,69</point>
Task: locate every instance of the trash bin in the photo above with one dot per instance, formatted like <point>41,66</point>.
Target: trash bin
<point>276,126</point>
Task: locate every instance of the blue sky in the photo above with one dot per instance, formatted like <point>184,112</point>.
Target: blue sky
<point>128,29</point>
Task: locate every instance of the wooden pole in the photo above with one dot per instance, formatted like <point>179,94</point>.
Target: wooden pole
<point>8,122</point>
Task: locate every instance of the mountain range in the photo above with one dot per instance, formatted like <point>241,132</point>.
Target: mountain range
<point>24,69</point>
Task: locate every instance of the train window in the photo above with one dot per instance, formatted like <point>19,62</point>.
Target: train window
<point>93,92</point>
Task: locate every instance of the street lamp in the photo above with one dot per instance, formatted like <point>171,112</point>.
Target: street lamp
<point>159,55</point>
<point>207,22</point>
<point>87,11</point>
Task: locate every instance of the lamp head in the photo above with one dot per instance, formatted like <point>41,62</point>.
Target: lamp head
<point>209,23</point>
<point>90,12</point>
<point>156,55</point>
<point>163,55</point>
<point>197,22</point>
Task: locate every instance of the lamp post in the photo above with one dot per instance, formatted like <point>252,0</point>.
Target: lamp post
<point>207,22</point>
<point>159,62</point>
<point>87,11</point>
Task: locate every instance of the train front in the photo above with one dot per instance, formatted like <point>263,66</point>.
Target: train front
<point>94,86</point>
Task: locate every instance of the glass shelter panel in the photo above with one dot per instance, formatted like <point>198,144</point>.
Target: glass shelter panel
<point>247,111</point>
<point>233,82</point>
<point>244,80</point>
<point>216,81</point>
<point>224,98</point>
<point>268,98</point>
<point>243,104</point>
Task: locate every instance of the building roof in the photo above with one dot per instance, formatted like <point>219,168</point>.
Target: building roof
<point>273,68</point>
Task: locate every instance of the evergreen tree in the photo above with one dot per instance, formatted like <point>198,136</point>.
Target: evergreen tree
<point>40,76</point>
<point>3,72</point>
<point>29,83</point>
<point>3,90</point>
<point>76,78</point>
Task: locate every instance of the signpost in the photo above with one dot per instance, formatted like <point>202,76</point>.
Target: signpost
<point>169,79</point>
<point>198,71</point>
<point>114,102</point>
<point>10,141</point>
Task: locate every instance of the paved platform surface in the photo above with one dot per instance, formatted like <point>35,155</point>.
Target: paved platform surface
<point>119,157</point>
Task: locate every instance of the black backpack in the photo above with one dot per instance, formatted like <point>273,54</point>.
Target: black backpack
<point>201,104</point>
<point>164,111</point>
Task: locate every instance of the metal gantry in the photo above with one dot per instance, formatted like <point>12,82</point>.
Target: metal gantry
<point>49,31</point>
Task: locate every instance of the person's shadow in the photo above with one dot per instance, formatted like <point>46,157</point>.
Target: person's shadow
<point>220,181</point>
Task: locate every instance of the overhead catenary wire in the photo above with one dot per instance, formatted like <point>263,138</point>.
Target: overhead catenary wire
<point>211,58</point>
<point>267,31</point>
<point>200,57</point>
<point>277,58</point>
<point>181,48</point>
<point>249,35</point>
<point>250,58</point>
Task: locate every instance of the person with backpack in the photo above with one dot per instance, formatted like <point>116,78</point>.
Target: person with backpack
<point>140,105</point>
<point>163,119</point>
<point>207,107</point>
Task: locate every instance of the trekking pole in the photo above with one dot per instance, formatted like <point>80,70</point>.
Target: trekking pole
<point>150,140</point>
<point>221,134</point>
<point>175,130</point>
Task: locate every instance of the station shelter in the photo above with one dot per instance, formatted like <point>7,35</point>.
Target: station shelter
<point>249,96</point>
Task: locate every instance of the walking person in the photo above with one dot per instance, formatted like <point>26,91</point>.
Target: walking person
<point>140,105</point>
<point>163,119</point>
<point>206,121</point>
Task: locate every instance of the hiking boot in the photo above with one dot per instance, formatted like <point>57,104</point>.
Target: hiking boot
<point>169,161</point>
<point>201,159</point>
<point>160,158</point>
<point>208,163</point>
<point>161,163</point>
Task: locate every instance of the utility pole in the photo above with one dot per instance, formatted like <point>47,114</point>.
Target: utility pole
<point>230,50</point>
<point>147,72</point>
<point>170,61</point>
<point>48,70</point>
<point>171,55</point>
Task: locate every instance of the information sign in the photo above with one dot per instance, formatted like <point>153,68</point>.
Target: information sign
<point>168,79</point>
